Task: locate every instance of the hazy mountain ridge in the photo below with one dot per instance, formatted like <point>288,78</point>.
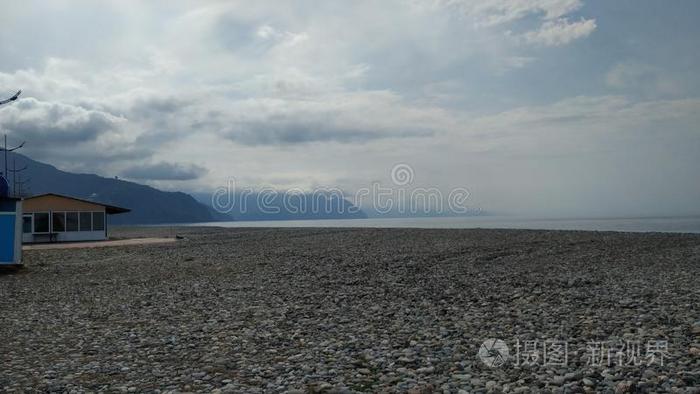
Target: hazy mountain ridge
<point>148,205</point>
<point>152,206</point>
<point>249,207</point>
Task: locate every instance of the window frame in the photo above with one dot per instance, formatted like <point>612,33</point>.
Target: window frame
<point>104,220</point>
<point>31,222</point>
<point>77,229</point>
<point>65,225</point>
<point>80,221</point>
<point>48,222</point>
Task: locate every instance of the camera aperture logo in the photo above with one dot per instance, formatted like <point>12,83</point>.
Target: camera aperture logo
<point>402,174</point>
<point>493,352</point>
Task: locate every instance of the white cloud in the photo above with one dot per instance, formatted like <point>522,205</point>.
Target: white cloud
<point>588,118</point>
<point>643,78</point>
<point>267,32</point>
<point>560,32</point>
<point>554,29</point>
<point>495,12</point>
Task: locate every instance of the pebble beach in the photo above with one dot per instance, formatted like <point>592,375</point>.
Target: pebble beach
<point>356,310</point>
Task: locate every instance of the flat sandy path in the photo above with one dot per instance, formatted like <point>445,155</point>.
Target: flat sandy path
<point>98,244</point>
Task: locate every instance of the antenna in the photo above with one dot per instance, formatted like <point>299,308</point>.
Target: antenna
<point>5,150</point>
<point>20,186</point>
<point>14,172</point>
<point>11,99</point>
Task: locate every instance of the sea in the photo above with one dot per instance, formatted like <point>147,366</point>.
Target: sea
<point>655,224</point>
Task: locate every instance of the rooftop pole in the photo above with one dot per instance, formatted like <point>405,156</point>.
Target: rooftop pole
<point>15,172</point>
<point>5,150</point>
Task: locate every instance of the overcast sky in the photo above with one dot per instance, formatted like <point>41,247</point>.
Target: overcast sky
<point>548,107</point>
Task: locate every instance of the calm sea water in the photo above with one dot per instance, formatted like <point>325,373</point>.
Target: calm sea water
<point>674,225</point>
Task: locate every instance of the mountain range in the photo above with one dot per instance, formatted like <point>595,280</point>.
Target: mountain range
<point>255,206</point>
<point>149,205</point>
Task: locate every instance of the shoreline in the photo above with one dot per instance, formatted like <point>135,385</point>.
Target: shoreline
<point>640,225</point>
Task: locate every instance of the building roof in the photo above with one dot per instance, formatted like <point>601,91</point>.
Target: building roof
<point>109,209</point>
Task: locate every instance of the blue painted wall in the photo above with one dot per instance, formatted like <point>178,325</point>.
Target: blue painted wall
<point>7,239</point>
<point>7,205</point>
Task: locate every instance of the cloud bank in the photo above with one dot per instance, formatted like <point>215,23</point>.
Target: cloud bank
<point>494,96</point>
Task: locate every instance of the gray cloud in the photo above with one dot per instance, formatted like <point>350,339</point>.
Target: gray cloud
<point>165,171</point>
<point>291,132</point>
<point>73,137</point>
<point>150,106</point>
<point>45,123</point>
<point>544,96</point>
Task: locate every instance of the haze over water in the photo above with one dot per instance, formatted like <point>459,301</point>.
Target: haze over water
<point>660,224</point>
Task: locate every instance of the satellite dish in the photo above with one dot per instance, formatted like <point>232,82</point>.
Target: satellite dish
<point>4,187</point>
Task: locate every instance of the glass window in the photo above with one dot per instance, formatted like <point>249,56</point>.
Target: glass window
<point>27,224</point>
<point>98,221</point>
<point>85,221</point>
<point>71,221</point>
<point>58,222</point>
<point>41,222</point>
